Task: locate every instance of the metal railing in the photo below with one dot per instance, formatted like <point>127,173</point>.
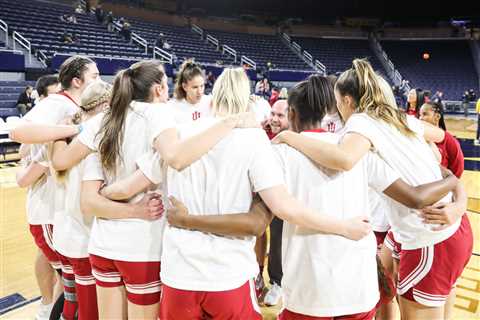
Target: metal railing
<point>164,55</point>
<point>42,57</point>
<point>23,42</point>
<point>4,27</point>
<point>213,40</point>
<point>307,56</point>
<point>286,37</point>
<point>230,51</point>
<point>135,37</point>
<point>246,60</point>
<point>296,46</point>
<point>197,29</point>
<point>321,67</point>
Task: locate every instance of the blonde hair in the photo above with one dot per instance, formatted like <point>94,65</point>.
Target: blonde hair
<point>387,92</point>
<point>231,92</point>
<point>283,93</point>
<point>95,94</point>
<point>362,84</point>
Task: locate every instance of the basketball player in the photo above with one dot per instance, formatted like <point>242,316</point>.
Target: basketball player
<point>371,122</point>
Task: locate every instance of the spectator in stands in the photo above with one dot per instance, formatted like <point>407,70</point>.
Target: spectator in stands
<point>79,9</point>
<point>262,88</point>
<point>47,85</point>
<point>25,101</point>
<point>126,32</point>
<point>160,40</point>
<point>66,38</point>
<point>68,18</point>
<point>415,99</point>
<point>210,80</point>
<point>99,13</point>
<point>477,109</point>
<point>166,45</point>
<point>438,98</point>
<point>75,38</point>
<point>109,21</point>
<point>87,6</point>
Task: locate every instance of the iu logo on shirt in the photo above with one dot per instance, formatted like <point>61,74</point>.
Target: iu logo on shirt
<point>331,127</point>
<point>196,115</point>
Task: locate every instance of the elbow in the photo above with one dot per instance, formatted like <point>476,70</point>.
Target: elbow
<point>174,161</point>
<point>346,164</point>
<point>86,204</point>
<point>58,164</point>
<point>257,229</point>
<point>22,183</point>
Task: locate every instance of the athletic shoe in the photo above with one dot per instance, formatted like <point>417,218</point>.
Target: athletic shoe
<point>272,298</point>
<point>476,142</point>
<point>44,311</point>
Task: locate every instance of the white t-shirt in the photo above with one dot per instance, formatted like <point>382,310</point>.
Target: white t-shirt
<point>129,239</point>
<point>332,123</point>
<point>50,111</point>
<point>329,275</point>
<point>261,108</point>
<point>220,182</point>
<point>185,112</point>
<point>378,204</point>
<point>413,159</point>
<point>38,204</point>
<point>72,228</point>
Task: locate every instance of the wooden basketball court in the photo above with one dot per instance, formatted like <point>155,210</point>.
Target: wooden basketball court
<point>18,289</point>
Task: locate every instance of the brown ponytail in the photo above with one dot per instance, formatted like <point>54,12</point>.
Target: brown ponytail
<point>130,84</point>
<point>188,70</point>
<point>361,83</point>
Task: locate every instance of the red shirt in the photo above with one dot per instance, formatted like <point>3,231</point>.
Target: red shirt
<point>452,155</point>
<point>412,112</point>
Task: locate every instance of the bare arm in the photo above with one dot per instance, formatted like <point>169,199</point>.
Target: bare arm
<point>179,154</point>
<point>286,207</point>
<point>128,187</point>
<point>341,157</point>
<point>447,214</point>
<point>92,203</point>
<point>66,156</point>
<point>423,195</point>
<point>30,174</point>
<point>432,133</point>
<point>24,150</point>
<point>39,133</point>
<point>252,223</point>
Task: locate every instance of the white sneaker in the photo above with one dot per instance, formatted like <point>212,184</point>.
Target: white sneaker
<point>44,311</point>
<point>476,142</point>
<point>273,295</point>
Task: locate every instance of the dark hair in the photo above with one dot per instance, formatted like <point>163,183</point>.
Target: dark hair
<point>437,108</point>
<point>362,85</point>
<point>73,67</point>
<point>130,84</point>
<point>312,99</point>
<point>421,94</point>
<point>188,70</point>
<point>44,82</point>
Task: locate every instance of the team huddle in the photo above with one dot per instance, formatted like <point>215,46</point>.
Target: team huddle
<point>149,207</point>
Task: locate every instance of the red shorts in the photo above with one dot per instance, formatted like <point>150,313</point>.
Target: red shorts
<point>380,236</point>
<point>141,279</point>
<point>289,315</point>
<point>393,245</point>
<point>42,235</point>
<point>427,275</point>
<point>240,303</point>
